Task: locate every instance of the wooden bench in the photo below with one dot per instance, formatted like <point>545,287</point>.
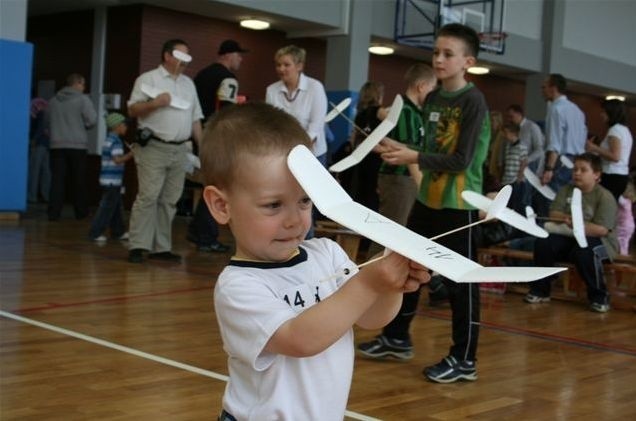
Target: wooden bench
<point>348,240</point>
<point>620,276</point>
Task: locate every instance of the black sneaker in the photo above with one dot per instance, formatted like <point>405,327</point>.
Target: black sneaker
<point>136,255</point>
<point>165,255</point>
<point>450,370</point>
<point>383,346</point>
<point>214,248</point>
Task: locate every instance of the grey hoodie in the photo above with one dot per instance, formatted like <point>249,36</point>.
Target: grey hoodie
<point>72,113</point>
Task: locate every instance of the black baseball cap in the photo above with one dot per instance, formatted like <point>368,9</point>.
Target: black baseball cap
<point>230,46</point>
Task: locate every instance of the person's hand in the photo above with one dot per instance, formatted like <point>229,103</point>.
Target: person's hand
<point>162,100</point>
<point>395,273</point>
<point>590,146</point>
<point>547,176</point>
<point>418,275</point>
<point>387,144</point>
<point>400,155</point>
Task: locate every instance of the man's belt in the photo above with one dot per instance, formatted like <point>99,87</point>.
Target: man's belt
<point>169,142</point>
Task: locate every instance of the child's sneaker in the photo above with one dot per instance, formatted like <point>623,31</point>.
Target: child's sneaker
<point>535,299</point>
<point>450,370</point>
<point>599,307</point>
<point>100,239</point>
<point>382,347</point>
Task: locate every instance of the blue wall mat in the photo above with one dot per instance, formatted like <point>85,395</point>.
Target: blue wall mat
<point>15,97</point>
<point>339,126</point>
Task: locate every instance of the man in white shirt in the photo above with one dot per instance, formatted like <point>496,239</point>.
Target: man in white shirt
<point>167,108</point>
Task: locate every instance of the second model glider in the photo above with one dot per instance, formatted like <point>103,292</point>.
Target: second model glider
<point>333,202</point>
<point>373,139</point>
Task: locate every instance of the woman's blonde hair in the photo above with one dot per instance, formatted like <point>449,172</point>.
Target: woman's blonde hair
<point>371,94</point>
<point>296,53</point>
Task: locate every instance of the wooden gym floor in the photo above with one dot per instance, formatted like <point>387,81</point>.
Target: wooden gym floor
<point>85,335</point>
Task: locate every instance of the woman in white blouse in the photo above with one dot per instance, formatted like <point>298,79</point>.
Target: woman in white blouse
<point>301,96</point>
<point>615,149</point>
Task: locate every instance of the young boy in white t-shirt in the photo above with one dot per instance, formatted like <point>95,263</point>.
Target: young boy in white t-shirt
<point>285,319</point>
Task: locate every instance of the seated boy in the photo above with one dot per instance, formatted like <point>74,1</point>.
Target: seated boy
<point>285,319</point>
<point>599,214</point>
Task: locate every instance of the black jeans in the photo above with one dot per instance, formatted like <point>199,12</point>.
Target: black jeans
<point>69,163</point>
<point>463,297</point>
<point>588,262</point>
<point>203,229</point>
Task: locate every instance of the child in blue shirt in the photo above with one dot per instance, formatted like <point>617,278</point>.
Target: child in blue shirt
<point>110,211</point>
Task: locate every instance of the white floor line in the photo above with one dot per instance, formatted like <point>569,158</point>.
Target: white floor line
<point>142,354</point>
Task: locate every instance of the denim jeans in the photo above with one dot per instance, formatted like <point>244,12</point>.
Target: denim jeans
<point>39,174</point>
<point>109,214</point>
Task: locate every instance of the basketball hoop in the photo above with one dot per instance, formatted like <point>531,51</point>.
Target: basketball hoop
<point>493,41</point>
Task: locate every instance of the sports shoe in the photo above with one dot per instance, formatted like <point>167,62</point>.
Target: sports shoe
<point>124,237</point>
<point>135,255</point>
<point>214,248</point>
<point>383,346</point>
<point>100,239</point>
<point>165,255</point>
<point>599,307</point>
<point>535,299</point>
<point>450,370</point>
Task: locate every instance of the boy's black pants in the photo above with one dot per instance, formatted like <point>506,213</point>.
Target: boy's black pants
<point>463,297</point>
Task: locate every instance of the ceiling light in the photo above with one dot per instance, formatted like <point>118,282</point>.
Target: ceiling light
<point>478,70</point>
<point>381,50</point>
<point>618,97</point>
<point>254,24</point>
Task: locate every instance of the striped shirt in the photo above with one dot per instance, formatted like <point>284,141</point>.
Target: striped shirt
<point>111,173</point>
<point>514,155</point>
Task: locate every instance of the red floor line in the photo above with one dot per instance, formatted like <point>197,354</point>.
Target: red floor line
<point>543,335</point>
<point>51,306</point>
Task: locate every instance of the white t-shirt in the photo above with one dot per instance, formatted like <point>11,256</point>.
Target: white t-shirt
<point>625,137</point>
<point>308,103</point>
<point>252,300</point>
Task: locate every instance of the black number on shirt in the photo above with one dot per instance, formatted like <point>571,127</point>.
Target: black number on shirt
<point>298,300</point>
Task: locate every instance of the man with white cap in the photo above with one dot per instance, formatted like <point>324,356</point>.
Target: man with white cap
<point>169,114</point>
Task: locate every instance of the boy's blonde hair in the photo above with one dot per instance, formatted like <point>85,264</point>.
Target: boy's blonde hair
<point>419,72</point>
<point>297,54</point>
<point>257,129</point>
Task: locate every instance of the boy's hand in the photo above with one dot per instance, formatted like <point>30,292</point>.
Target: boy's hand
<point>395,273</point>
<point>396,153</point>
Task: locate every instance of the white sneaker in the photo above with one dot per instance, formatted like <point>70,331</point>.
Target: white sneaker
<point>124,237</point>
<point>100,239</point>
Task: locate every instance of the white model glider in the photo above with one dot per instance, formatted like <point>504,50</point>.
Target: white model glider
<point>566,162</point>
<point>496,209</point>
<point>373,139</point>
<point>545,190</point>
<point>342,105</point>
<point>175,101</point>
<point>333,202</point>
<point>578,224</point>
<point>531,215</point>
<point>181,56</point>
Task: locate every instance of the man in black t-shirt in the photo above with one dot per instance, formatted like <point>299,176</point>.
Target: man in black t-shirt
<point>217,87</point>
